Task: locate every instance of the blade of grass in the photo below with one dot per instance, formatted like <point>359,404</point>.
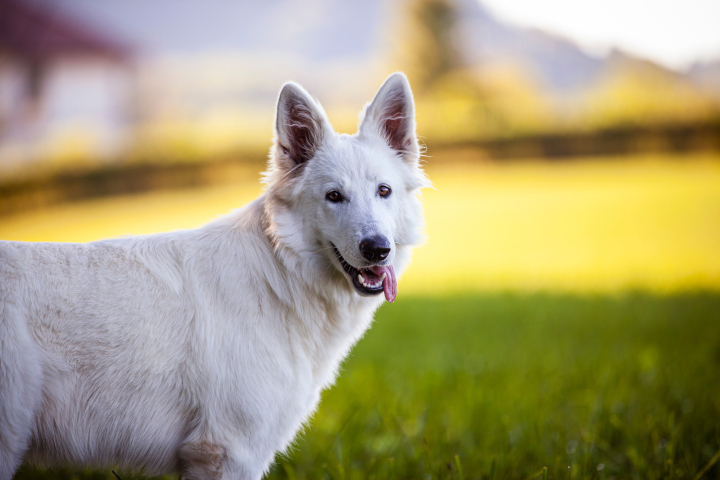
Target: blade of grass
<point>708,466</point>
<point>459,468</point>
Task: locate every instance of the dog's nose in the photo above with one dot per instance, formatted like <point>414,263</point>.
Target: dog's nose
<point>375,248</point>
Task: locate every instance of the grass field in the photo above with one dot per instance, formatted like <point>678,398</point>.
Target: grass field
<point>625,387</point>
<point>561,315</point>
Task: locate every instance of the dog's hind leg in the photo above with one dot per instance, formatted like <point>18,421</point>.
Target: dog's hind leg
<point>202,460</point>
<point>205,461</point>
<point>20,382</point>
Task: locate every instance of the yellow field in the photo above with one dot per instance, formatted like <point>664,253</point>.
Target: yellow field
<point>649,223</point>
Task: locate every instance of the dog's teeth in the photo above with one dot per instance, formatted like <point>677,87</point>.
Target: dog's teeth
<point>368,283</point>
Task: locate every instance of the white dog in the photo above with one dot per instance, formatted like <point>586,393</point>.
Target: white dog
<point>204,351</point>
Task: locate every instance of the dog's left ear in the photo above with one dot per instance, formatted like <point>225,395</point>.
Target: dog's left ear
<point>391,114</point>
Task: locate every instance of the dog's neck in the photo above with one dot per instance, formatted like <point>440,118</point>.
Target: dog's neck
<point>326,315</point>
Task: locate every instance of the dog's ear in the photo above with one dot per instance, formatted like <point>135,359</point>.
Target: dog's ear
<point>301,126</point>
<point>391,114</point>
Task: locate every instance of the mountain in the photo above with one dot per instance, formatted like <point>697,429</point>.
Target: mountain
<point>558,63</point>
<point>209,60</point>
<point>315,29</point>
<point>706,75</point>
<point>333,30</point>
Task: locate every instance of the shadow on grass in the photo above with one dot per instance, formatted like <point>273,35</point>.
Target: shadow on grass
<point>610,386</point>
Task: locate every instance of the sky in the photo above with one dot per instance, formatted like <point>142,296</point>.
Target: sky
<point>672,32</point>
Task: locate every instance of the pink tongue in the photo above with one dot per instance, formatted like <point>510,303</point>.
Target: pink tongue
<point>389,282</point>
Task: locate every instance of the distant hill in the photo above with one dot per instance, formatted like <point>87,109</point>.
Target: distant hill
<point>314,29</point>
<point>334,30</point>
<point>706,75</point>
<point>557,62</point>
<point>219,64</point>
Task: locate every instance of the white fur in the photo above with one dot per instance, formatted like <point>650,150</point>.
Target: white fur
<point>204,351</point>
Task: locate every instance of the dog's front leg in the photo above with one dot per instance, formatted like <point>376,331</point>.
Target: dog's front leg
<point>205,461</point>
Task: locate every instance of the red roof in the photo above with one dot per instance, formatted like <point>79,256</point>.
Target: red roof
<point>30,31</point>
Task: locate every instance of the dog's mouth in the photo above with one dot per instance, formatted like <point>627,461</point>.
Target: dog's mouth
<point>371,280</point>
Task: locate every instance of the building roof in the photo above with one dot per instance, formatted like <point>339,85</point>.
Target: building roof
<point>31,31</point>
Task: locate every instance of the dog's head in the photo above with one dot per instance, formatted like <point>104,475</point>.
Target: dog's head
<point>349,202</point>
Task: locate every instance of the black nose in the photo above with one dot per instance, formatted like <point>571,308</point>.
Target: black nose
<point>375,248</point>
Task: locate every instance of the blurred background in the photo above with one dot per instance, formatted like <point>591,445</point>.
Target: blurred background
<point>565,312</point>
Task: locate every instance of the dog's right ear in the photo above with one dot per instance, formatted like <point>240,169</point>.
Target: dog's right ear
<point>301,126</point>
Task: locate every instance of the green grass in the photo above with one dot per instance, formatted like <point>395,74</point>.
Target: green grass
<point>501,385</point>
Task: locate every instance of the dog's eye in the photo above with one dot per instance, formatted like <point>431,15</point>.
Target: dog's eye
<point>334,196</point>
<point>384,190</point>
